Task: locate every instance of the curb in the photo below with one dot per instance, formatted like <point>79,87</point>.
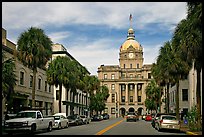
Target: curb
<point>190,133</point>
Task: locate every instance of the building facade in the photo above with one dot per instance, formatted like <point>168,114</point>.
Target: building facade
<point>187,93</point>
<point>23,88</point>
<point>79,104</point>
<point>127,81</point>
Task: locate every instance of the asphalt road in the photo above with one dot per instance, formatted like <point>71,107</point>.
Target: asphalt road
<point>114,126</point>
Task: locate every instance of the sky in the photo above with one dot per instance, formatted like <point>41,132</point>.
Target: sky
<point>92,32</point>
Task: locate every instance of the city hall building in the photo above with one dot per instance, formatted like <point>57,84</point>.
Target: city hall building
<point>127,81</point>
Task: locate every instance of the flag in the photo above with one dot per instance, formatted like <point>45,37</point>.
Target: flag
<point>130,17</point>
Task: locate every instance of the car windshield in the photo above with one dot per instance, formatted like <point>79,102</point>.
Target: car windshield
<point>169,117</point>
<point>131,113</point>
<point>56,117</point>
<point>71,117</point>
<point>83,116</point>
<point>26,115</point>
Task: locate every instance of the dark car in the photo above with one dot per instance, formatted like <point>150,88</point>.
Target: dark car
<point>97,118</point>
<point>131,116</point>
<point>105,116</point>
<point>75,120</point>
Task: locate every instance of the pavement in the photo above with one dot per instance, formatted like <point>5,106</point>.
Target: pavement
<point>184,128</point>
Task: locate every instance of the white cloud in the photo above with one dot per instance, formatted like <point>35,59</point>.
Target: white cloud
<point>56,37</point>
<point>17,16</point>
<point>113,14</point>
<point>95,53</point>
<point>150,53</point>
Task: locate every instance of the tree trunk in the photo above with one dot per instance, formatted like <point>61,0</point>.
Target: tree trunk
<point>33,87</point>
<point>167,108</point>
<point>198,99</point>
<point>177,101</point>
<point>60,98</point>
<point>73,101</point>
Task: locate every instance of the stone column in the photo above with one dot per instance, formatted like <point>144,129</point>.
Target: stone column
<point>119,93</point>
<point>126,92</point>
<point>135,93</point>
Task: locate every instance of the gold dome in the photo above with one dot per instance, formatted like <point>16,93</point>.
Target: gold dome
<point>130,41</point>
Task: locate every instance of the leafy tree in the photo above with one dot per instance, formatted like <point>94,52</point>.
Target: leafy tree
<point>189,36</point>
<point>153,96</point>
<point>34,51</point>
<point>91,84</point>
<point>98,100</point>
<point>8,80</point>
<point>57,74</point>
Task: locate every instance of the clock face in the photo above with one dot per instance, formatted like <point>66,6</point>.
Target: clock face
<point>131,55</point>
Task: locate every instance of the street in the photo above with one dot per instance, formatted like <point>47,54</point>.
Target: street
<point>109,127</point>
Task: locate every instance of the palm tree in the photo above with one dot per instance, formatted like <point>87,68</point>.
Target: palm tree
<point>34,51</point>
<point>189,33</point>
<point>57,74</point>
<point>8,80</point>
<point>170,68</point>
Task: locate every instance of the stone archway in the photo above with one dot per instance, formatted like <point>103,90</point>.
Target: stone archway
<point>131,109</point>
<point>140,111</point>
<point>122,111</point>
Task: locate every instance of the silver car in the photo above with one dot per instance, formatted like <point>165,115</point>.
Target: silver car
<point>60,122</point>
<point>85,119</point>
<point>167,122</point>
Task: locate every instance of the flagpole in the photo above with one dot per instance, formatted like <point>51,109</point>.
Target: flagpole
<point>130,18</point>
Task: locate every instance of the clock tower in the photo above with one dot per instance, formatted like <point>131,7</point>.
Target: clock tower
<point>131,52</point>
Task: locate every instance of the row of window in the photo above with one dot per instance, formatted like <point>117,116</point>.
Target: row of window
<point>131,87</point>
<point>79,98</point>
<point>39,82</point>
<point>138,65</point>
<point>123,76</point>
<point>123,99</point>
<point>184,95</point>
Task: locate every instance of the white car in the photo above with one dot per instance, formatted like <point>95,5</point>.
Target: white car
<point>86,120</point>
<point>60,121</point>
<point>167,122</point>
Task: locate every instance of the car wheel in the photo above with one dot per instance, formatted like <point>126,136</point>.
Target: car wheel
<point>33,128</point>
<point>59,126</point>
<point>67,125</point>
<point>49,129</point>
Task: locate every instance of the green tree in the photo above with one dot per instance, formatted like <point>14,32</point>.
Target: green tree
<point>153,96</point>
<point>91,84</point>
<point>57,74</point>
<point>98,99</point>
<point>189,36</point>
<point>34,51</point>
<point>8,80</point>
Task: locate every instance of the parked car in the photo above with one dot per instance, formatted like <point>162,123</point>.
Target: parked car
<point>167,122</point>
<point>85,119</point>
<point>97,118</point>
<point>75,120</point>
<point>105,116</point>
<point>132,116</point>
<point>64,114</point>
<point>148,118</point>
<point>60,121</point>
<point>156,118</point>
<point>29,120</point>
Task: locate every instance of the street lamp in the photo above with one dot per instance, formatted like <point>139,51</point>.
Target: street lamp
<point>116,105</point>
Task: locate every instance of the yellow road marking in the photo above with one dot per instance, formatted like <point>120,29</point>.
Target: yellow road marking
<point>108,128</point>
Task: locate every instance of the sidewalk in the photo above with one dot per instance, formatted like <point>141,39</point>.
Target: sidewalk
<point>184,128</point>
